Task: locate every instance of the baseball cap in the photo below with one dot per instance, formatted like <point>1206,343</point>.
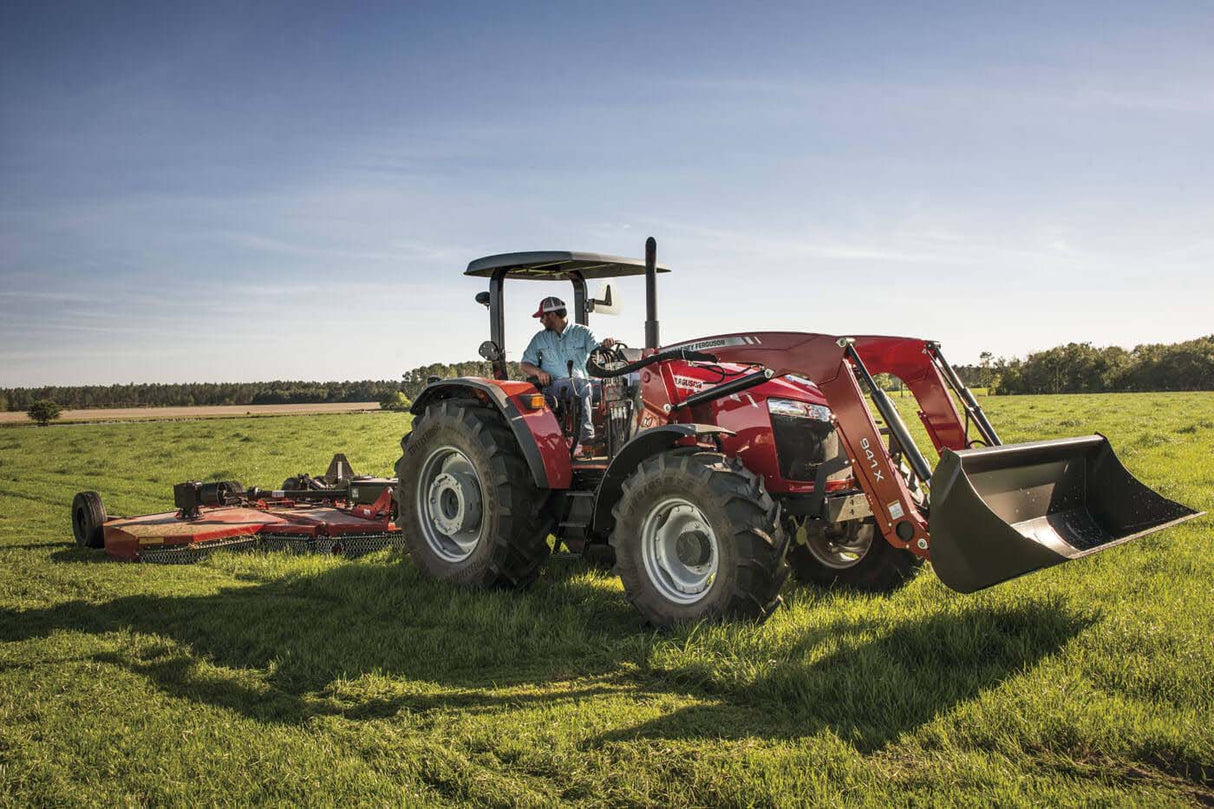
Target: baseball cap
<point>549,304</point>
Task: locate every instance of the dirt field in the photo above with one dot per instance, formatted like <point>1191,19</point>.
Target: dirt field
<point>212,412</point>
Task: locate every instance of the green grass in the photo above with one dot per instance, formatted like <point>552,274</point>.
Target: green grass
<point>261,677</point>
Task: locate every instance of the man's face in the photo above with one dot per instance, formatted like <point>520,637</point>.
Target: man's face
<point>550,321</point>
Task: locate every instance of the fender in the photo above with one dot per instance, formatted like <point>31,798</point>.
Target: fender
<point>642,446</point>
<point>537,432</point>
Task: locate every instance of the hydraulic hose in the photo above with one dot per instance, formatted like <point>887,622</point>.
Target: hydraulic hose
<point>599,372</point>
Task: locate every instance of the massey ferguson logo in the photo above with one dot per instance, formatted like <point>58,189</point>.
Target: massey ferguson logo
<point>688,382</point>
<point>871,456</point>
<point>716,342</point>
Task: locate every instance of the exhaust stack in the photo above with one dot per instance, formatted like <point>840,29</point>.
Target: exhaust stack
<point>652,340</point>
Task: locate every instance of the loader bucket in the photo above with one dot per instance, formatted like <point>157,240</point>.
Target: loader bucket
<point>1000,512</point>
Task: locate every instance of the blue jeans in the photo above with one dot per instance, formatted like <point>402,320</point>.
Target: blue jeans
<point>579,388</point>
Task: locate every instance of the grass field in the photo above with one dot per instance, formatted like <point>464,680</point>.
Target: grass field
<point>256,677</point>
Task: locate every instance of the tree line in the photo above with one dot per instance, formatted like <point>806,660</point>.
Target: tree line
<point>1084,368</point>
<point>195,394</point>
<point>1072,368</point>
<point>198,394</point>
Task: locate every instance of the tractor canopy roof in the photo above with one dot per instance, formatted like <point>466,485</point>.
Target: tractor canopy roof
<point>556,265</point>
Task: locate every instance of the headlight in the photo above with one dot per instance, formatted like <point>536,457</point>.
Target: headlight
<point>800,410</point>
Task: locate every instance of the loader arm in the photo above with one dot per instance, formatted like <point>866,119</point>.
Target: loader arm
<point>997,511</point>
<point>830,362</point>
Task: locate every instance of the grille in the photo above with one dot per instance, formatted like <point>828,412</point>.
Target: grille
<point>802,445</point>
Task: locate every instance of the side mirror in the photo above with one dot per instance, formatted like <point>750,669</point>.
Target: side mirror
<point>483,299</point>
<point>602,301</point>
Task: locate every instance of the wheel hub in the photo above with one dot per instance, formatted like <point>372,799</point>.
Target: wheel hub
<point>679,550</point>
<point>693,548</point>
<point>449,504</point>
<point>455,500</point>
<point>840,548</point>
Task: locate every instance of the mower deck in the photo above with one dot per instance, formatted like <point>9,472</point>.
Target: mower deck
<point>137,538</point>
<point>338,512</point>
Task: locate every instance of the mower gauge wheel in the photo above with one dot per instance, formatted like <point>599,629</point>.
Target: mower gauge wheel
<point>88,515</point>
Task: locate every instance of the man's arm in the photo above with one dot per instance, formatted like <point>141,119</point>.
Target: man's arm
<point>530,370</point>
<point>530,364</point>
<point>592,343</point>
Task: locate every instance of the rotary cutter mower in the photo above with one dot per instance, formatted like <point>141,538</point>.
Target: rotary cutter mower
<point>338,512</point>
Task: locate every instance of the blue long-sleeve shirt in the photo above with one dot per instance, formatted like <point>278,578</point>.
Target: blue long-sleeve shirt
<point>551,351</point>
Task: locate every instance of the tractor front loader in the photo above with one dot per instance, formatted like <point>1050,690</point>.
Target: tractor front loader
<point>728,460</point>
<point>994,511</point>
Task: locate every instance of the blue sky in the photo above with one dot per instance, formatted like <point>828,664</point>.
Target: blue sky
<point>248,191</point>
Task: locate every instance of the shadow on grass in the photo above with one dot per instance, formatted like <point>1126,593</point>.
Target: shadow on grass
<point>41,546</point>
<point>877,681</point>
<point>288,649</point>
<point>71,553</point>
<point>272,649</point>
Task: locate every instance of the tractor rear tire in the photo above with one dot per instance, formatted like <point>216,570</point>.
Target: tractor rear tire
<point>853,556</point>
<point>697,537</point>
<point>469,510</point>
<point>88,515</point>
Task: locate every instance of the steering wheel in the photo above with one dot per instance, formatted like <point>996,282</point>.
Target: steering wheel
<point>613,354</point>
<point>601,357</point>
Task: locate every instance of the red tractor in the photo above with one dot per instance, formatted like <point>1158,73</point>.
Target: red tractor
<point>730,459</point>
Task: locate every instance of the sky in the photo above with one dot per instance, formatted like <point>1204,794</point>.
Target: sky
<point>253,191</point>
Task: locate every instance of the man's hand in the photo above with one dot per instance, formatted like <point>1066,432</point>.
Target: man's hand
<point>529,370</point>
<point>607,342</point>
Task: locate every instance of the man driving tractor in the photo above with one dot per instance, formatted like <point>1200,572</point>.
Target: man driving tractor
<point>557,356</point>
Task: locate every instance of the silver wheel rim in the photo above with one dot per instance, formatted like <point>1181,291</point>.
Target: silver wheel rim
<point>449,504</point>
<point>680,550</point>
<point>841,550</point>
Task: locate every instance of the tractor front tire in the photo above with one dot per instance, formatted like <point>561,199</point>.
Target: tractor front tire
<point>697,537</point>
<point>852,555</point>
<point>468,508</point>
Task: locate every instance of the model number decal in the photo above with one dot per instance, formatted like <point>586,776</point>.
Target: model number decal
<point>871,456</point>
